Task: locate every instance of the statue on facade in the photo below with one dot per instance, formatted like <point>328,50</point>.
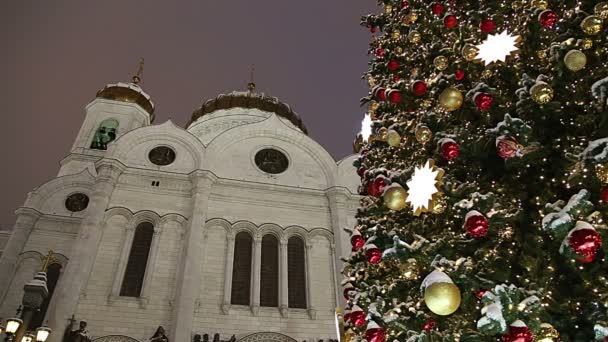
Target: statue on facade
<point>216,337</point>
<point>159,335</point>
<point>197,338</point>
<point>80,335</point>
<point>205,337</point>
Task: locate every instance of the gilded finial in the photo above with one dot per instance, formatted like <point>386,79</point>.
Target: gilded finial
<point>47,260</point>
<point>140,72</point>
<point>251,84</point>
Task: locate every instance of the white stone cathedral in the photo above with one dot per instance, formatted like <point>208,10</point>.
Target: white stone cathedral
<point>231,226</point>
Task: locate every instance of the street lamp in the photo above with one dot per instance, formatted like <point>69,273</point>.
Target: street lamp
<point>1,326</point>
<point>42,333</point>
<point>12,325</point>
<point>28,337</point>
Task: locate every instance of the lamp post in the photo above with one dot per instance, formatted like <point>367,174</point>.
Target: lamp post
<point>28,337</point>
<point>12,325</point>
<point>42,333</point>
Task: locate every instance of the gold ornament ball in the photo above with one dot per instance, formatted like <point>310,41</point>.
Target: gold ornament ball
<point>371,81</point>
<point>373,105</point>
<point>442,299</point>
<point>398,50</point>
<point>410,18</point>
<point>541,4</point>
<point>601,171</point>
<point>394,197</point>
<point>423,134</point>
<point>516,4</point>
<point>469,52</point>
<point>439,206</point>
<point>601,9</point>
<point>487,73</point>
<point>388,9</point>
<point>393,139</point>
<point>542,54</point>
<point>396,34</point>
<point>382,134</point>
<point>414,37</point>
<point>547,333</point>
<point>592,25</point>
<point>349,336</point>
<point>575,60</point>
<point>586,43</point>
<point>541,93</point>
<point>441,63</point>
<point>451,99</point>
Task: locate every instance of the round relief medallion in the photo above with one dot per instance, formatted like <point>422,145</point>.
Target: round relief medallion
<point>271,161</point>
<point>77,202</point>
<point>161,155</point>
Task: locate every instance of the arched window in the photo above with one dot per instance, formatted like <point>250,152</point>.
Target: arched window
<point>269,275</point>
<point>296,274</point>
<point>241,270</point>
<point>104,134</point>
<point>52,276</point>
<point>138,260</point>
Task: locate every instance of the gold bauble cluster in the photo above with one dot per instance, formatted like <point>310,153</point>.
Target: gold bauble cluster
<point>601,10</point>
<point>394,197</point>
<point>592,25</point>
<point>469,52</point>
<point>547,333</point>
<point>423,134</point>
<point>541,93</point>
<point>575,60</point>
<point>442,298</point>
<point>441,63</point>
<point>451,99</point>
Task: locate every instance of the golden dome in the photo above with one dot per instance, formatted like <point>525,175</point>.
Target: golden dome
<point>128,92</point>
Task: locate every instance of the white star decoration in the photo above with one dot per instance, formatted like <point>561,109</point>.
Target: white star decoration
<point>497,47</point>
<point>422,187</point>
<point>366,127</point>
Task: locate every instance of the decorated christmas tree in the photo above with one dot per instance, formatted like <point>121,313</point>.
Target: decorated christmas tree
<point>485,174</point>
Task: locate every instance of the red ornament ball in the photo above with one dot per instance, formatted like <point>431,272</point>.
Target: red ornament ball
<point>405,4</point>
<point>396,79</point>
<point>379,52</point>
<point>381,94</point>
<point>372,29</point>
<point>346,295</point>
<point>487,25</point>
<point>483,101</point>
<point>547,18</point>
<point>418,88</point>
<point>393,65</point>
<point>358,318</point>
<point>459,74</point>
<point>518,334</point>
<point>585,243</point>
<point>430,325</point>
<point>480,293</point>
<point>375,335</point>
<point>357,242</point>
<point>476,224</point>
<point>507,147</point>
<point>604,194</point>
<point>376,187</point>
<point>450,149</point>
<point>394,96</point>
<point>450,21</point>
<point>361,171</point>
<point>374,255</point>
<point>437,8</point>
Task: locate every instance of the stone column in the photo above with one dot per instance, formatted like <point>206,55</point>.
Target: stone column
<point>283,281</point>
<point>26,219</point>
<point>257,268</point>
<point>312,312</point>
<point>189,274</point>
<point>334,273</point>
<point>84,248</point>
<point>338,206</point>
<point>228,273</point>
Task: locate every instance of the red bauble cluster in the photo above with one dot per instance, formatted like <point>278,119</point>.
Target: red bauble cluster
<point>430,325</point>
<point>437,8</point>
<point>487,25</point>
<point>547,18</point>
<point>449,149</point>
<point>373,254</point>
<point>450,21</point>
<point>357,242</point>
<point>357,317</point>
<point>376,187</point>
<point>394,96</point>
<point>418,88</point>
<point>375,333</point>
<point>393,65</point>
<point>518,334</point>
<point>459,74</point>
<point>604,194</point>
<point>585,243</point>
<point>483,101</point>
<point>476,224</point>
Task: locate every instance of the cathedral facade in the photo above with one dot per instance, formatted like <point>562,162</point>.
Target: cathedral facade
<point>233,225</point>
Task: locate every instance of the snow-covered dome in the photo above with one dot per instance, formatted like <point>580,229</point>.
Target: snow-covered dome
<point>128,92</point>
<point>239,108</point>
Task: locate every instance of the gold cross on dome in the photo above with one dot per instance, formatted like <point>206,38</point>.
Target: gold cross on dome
<point>140,72</point>
<point>251,84</point>
<point>47,260</point>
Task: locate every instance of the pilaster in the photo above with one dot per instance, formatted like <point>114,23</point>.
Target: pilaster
<point>284,281</point>
<point>228,273</point>
<point>257,268</point>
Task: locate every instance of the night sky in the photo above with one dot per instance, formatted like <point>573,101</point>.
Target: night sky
<point>57,54</point>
